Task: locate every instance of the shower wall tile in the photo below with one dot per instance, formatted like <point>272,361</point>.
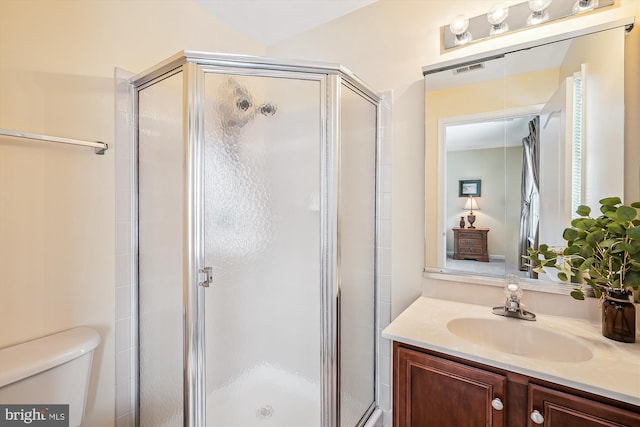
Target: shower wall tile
<point>385,314</point>
<point>385,231</point>
<point>386,261</point>
<point>124,255</point>
<point>386,207</point>
<point>384,288</point>
<point>123,209</point>
<point>123,232</point>
<point>123,337</point>
<point>123,400</point>
<point>385,370</point>
<point>385,348</point>
<point>123,374</point>
<point>385,401</point>
<point>123,270</point>
<point>123,304</point>
<point>386,129</point>
<point>125,420</point>
<point>384,255</point>
<point>387,418</point>
<point>386,178</point>
<point>123,173</point>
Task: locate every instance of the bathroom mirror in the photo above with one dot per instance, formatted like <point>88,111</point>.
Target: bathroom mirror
<point>542,128</point>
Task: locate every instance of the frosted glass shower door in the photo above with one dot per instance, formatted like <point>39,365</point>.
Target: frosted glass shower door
<point>262,238</point>
<point>161,155</point>
<point>358,128</point>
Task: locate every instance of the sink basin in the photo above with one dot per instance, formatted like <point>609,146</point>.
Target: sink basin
<point>521,338</point>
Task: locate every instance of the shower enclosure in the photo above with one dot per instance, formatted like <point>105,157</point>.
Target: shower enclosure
<point>256,197</point>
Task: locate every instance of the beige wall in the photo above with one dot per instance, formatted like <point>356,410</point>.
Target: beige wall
<point>489,165</point>
<point>57,210</point>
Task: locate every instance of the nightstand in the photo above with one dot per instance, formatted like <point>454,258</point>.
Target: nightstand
<point>470,243</point>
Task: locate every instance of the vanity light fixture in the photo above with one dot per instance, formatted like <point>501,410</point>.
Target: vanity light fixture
<point>584,5</point>
<point>470,206</point>
<point>497,16</point>
<point>505,17</point>
<point>458,27</point>
<point>539,12</point>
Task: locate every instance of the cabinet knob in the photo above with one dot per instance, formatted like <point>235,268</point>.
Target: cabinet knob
<point>497,404</point>
<point>537,417</point>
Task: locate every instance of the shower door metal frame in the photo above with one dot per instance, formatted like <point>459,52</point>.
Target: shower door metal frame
<point>194,66</point>
<point>337,81</point>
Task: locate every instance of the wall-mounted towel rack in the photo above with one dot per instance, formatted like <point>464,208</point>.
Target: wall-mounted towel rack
<point>100,147</point>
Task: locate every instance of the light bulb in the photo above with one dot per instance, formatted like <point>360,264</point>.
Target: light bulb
<point>584,5</point>
<point>497,16</point>
<point>458,28</point>
<point>539,12</point>
<point>539,5</point>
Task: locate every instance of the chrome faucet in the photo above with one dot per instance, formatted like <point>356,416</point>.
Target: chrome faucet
<point>512,306</point>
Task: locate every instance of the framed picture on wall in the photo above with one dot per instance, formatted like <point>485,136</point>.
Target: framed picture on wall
<point>469,187</point>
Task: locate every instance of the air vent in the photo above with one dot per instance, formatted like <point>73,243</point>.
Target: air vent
<point>468,68</point>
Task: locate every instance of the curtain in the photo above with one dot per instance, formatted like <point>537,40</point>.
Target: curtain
<point>530,193</point>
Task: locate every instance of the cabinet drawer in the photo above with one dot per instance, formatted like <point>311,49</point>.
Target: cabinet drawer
<point>475,235</point>
<point>471,242</point>
<point>471,250</point>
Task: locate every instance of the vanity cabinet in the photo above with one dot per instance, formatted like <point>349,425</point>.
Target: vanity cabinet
<point>560,409</point>
<point>433,389</point>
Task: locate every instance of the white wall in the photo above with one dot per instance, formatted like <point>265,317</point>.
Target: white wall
<point>57,211</point>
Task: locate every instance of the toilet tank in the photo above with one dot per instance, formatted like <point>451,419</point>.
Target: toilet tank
<point>50,370</point>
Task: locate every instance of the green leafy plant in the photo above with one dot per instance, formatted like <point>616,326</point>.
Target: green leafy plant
<point>603,252</point>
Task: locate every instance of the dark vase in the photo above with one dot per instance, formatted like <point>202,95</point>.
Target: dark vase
<point>462,224</point>
<point>618,316</point>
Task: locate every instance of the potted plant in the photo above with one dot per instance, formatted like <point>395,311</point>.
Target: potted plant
<point>604,253</point>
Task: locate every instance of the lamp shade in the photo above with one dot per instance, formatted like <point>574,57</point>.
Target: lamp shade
<point>471,205</point>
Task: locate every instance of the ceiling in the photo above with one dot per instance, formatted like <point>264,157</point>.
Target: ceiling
<point>499,133</point>
<point>271,21</point>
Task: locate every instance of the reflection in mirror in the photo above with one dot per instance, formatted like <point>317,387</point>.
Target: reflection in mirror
<point>543,130</point>
<point>485,150</point>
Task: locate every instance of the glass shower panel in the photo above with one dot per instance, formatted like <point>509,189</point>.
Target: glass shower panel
<point>357,255</point>
<point>262,238</point>
<point>160,213</point>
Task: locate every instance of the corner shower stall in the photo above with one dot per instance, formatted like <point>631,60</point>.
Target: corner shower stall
<point>256,226</point>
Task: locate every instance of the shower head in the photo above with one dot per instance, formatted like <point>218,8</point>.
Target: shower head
<point>267,109</point>
<point>235,107</point>
<point>244,104</point>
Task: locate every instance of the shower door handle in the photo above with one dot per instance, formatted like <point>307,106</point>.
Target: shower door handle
<point>208,276</point>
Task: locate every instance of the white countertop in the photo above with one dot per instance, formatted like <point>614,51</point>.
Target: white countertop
<point>613,371</point>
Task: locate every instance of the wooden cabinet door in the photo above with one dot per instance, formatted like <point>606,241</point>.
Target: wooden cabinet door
<point>561,409</point>
<point>434,392</point>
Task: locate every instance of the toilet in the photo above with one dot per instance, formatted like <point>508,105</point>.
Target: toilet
<point>54,369</point>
